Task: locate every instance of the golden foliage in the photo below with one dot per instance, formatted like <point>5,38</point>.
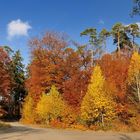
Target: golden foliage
<point>28,113</point>
<point>134,75</point>
<point>50,106</point>
<point>134,68</point>
<point>96,103</point>
<point>70,115</point>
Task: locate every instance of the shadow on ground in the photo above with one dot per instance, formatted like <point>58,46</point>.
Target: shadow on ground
<point>126,137</point>
<point>21,132</point>
<point>18,129</point>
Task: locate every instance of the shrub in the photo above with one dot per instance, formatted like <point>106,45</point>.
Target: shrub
<point>70,115</point>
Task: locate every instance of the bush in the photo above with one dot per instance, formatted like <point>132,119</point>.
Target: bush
<point>70,116</point>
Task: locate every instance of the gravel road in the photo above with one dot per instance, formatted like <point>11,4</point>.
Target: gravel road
<point>23,132</point>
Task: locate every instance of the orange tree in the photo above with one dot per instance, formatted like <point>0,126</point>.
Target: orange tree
<point>115,71</point>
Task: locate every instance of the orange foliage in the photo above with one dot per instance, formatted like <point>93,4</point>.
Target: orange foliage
<point>115,71</point>
<point>54,63</point>
<point>70,115</point>
<point>5,79</point>
<point>75,88</point>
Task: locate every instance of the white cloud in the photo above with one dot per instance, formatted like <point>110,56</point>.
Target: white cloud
<point>101,21</point>
<point>17,28</point>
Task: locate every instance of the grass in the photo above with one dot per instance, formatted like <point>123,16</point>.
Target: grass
<point>4,125</point>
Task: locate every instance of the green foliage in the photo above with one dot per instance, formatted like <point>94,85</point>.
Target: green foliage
<point>97,107</point>
<point>136,8</point>
<point>17,69</point>
<point>134,32</point>
<point>18,80</point>
<point>120,36</point>
<point>103,35</point>
<point>94,41</point>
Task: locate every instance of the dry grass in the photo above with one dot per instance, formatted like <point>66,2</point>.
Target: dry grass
<point>4,125</point>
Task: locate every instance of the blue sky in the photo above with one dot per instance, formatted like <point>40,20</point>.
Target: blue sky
<point>33,17</point>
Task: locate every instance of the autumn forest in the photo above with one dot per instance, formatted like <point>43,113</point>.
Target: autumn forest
<point>72,85</point>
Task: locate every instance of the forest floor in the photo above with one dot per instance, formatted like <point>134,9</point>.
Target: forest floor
<point>18,131</point>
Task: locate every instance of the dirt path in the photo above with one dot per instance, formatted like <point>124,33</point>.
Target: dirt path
<point>22,132</point>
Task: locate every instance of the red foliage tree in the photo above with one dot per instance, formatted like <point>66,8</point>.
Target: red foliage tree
<point>75,88</point>
<point>115,71</point>
<point>54,63</point>
<point>5,79</point>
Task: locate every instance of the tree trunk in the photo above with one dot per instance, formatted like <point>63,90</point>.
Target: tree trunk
<point>105,46</point>
<point>91,58</point>
<point>138,88</point>
<point>118,43</point>
<point>134,49</point>
<point>102,117</point>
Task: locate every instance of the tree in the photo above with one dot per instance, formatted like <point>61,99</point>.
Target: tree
<point>5,82</point>
<point>75,88</point>
<point>85,56</point>
<point>136,8</point>
<point>104,34</point>
<point>28,112</point>
<point>55,63</point>
<point>115,71</point>
<point>120,37</point>
<point>8,50</point>
<point>43,108</point>
<point>96,105</point>
<point>18,81</point>
<point>50,106</point>
<point>134,76</point>
<point>134,31</point>
<point>46,67</point>
<point>94,42</point>
<point>75,77</point>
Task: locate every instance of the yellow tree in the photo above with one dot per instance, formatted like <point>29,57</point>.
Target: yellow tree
<point>50,105</point>
<point>96,106</point>
<point>28,113</point>
<point>134,75</point>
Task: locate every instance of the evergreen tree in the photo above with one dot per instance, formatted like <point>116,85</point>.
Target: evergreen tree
<point>134,32</point>
<point>120,37</point>
<point>104,34</point>
<point>136,8</point>
<point>94,42</point>
<point>18,81</point>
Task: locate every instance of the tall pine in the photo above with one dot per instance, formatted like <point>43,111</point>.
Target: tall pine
<point>18,81</point>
